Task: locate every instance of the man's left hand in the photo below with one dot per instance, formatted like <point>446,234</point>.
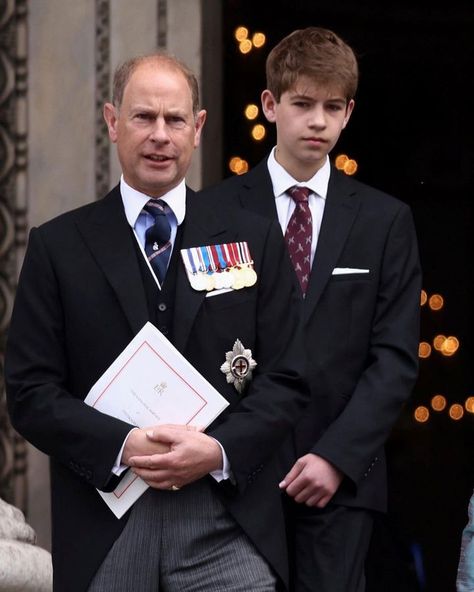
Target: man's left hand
<point>192,455</point>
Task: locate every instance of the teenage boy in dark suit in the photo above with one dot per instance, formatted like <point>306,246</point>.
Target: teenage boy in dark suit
<point>356,262</point>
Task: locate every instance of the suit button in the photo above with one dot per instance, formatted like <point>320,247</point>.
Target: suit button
<point>164,330</point>
<point>162,307</point>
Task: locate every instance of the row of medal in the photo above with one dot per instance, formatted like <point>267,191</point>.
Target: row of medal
<point>216,267</point>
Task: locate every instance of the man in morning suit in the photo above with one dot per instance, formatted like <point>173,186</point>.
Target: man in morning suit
<point>212,518</point>
<point>355,256</point>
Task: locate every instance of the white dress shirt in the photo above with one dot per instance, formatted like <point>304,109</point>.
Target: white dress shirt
<point>285,205</point>
<point>140,221</point>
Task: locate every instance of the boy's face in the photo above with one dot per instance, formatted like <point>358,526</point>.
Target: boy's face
<point>309,119</point>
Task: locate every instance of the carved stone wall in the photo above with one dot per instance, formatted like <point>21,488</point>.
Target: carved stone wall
<point>102,94</point>
<point>13,195</point>
<point>54,151</point>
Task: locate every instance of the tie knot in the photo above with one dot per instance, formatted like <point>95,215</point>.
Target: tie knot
<point>299,194</point>
<point>155,207</point>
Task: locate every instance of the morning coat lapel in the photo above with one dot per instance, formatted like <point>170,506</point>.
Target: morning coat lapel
<point>202,226</point>
<point>256,192</point>
<point>340,210</point>
<point>107,233</point>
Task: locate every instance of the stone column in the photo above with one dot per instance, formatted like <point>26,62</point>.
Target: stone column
<point>73,48</point>
<point>13,200</point>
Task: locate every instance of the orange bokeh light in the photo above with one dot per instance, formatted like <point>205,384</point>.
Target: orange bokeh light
<point>350,167</point>
<point>424,350</point>
<point>456,411</point>
<point>436,302</point>
<point>438,402</point>
<point>422,414</point>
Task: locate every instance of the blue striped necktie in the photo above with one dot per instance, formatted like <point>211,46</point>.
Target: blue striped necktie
<point>157,238</point>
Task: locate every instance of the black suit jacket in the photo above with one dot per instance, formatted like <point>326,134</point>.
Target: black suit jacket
<point>361,330</point>
<point>81,300</point>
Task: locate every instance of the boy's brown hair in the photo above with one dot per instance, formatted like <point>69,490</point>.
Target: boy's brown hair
<point>316,53</point>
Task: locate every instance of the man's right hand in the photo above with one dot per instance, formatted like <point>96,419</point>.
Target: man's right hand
<point>138,444</point>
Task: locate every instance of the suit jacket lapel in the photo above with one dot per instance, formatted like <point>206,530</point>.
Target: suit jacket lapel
<point>257,192</point>
<point>200,227</point>
<point>342,205</point>
<point>107,233</point>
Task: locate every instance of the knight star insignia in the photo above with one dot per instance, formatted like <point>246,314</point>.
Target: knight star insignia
<point>238,366</point>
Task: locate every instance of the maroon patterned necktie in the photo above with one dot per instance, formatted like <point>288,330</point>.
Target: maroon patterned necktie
<point>299,234</point>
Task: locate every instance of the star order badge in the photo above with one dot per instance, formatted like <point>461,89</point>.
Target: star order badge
<point>238,366</point>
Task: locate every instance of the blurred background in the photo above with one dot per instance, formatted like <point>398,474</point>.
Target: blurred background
<point>411,135</point>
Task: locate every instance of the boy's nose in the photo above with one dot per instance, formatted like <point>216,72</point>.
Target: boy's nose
<point>317,118</point>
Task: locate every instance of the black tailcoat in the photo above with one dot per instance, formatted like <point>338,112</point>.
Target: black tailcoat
<point>81,300</point>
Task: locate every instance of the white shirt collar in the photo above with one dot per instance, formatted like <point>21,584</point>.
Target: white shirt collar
<point>282,180</point>
<point>133,201</point>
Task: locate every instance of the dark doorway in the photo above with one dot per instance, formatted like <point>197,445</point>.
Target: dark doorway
<point>412,135</point>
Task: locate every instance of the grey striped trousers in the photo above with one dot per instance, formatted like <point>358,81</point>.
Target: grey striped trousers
<point>178,541</point>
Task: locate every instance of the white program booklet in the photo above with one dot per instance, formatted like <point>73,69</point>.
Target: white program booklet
<point>152,383</point>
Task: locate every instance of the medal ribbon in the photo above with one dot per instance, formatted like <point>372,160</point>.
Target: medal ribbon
<point>213,265</point>
<point>202,265</point>
<point>191,261</point>
<point>220,256</point>
<point>205,256</point>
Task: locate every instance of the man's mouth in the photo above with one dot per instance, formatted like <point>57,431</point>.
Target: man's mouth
<point>157,157</point>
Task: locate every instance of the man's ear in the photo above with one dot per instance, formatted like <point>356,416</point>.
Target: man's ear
<point>111,119</point>
<point>349,109</point>
<point>269,104</point>
<point>199,121</point>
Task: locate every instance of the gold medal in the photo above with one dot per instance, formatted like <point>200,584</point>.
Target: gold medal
<point>198,281</point>
<point>219,280</point>
<point>249,276</point>
<point>227,278</point>
<point>210,282</point>
<point>238,284</point>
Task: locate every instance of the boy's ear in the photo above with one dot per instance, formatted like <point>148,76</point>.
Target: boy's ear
<point>349,109</point>
<point>269,104</point>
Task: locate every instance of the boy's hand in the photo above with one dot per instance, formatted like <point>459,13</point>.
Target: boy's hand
<point>312,481</point>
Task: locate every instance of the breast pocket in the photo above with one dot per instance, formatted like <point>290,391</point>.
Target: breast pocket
<point>228,299</point>
<point>352,277</point>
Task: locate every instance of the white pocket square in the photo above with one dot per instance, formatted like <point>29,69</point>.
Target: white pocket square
<point>346,270</point>
<point>217,292</point>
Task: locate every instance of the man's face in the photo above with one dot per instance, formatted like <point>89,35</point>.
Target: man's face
<point>155,129</point>
<point>309,119</point>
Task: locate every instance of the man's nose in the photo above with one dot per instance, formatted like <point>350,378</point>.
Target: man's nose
<point>159,132</point>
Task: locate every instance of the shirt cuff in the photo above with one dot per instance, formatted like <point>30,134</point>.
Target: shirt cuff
<point>225,472</point>
<point>119,467</point>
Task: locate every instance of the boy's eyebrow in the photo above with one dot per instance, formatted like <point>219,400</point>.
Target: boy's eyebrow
<point>310,98</point>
